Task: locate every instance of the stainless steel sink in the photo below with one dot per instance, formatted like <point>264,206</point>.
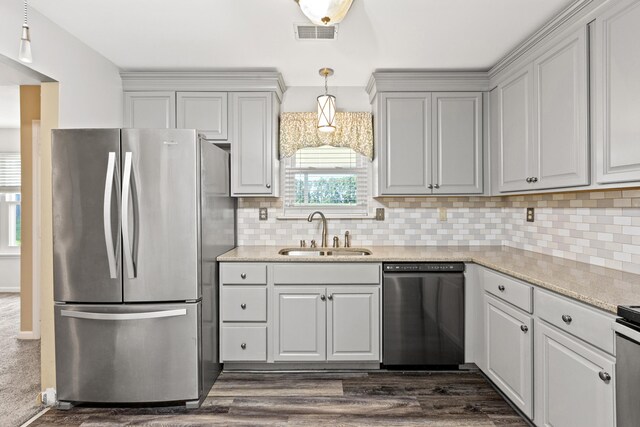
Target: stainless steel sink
<point>311,252</point>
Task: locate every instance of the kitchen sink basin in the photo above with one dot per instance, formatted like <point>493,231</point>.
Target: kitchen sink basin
<point>324,252</point>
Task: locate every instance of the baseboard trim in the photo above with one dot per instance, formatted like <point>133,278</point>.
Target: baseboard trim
<point>27,335</point>
<point>35,417</point>
<point>9,289</point>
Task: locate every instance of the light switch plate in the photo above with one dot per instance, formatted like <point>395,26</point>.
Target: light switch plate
<point>264,214</point>
<point>379,214</point>
<point>531,217</point>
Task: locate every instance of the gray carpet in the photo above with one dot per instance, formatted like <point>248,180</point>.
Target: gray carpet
<point>19,367</point>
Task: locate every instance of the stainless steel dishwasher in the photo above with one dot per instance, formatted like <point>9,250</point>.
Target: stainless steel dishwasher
<point>423,314</point>
<point>627,330</point>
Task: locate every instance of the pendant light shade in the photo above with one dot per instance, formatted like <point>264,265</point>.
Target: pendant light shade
<point>326,106</point>
<point>24,54</point>
<point>325,12</point>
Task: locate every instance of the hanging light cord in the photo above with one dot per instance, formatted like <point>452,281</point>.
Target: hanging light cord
<point>25,12</point>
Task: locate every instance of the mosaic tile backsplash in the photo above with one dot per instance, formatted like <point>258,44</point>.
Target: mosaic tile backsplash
<point>596,227</point>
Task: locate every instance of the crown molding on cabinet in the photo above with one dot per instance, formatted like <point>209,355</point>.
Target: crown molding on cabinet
<point>426,81</point>
<point>268,80</point>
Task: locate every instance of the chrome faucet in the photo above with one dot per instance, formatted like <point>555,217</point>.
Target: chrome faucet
<point>324,227</point>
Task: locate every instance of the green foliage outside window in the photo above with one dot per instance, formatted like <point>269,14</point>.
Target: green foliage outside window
<point>325,189</point>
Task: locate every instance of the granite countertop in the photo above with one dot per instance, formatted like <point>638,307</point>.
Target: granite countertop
<point>600,287</point>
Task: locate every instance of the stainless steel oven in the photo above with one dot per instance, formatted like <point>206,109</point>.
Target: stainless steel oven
<point>423,314</point>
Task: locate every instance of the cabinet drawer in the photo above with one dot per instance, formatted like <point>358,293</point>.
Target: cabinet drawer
<point>244,304</point>
<point>244,274</point>
<point>576,319</point>
<point>244,343</point>
<point>326,274</point>
<point>509,290</point>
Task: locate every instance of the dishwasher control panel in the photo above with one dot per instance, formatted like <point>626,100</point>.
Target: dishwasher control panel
<point>448,267</point>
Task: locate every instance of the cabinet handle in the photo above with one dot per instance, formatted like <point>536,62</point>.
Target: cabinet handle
<point>604,376</point>
<point>322,297</point>
<point>243,306</point>
<point>524,328</point>
<point>436,186</point>
<point>268,185</point>
<point>430,186</point>
<point>243,346</point>
<point>501,288</point>
<point>566,319</point>
<point>243,275</point>
<point>330,297</point>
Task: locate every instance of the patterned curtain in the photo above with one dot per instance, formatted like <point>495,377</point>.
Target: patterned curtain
<point>353,130</point>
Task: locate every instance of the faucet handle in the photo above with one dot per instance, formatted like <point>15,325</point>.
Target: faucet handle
<point>303,243</point>
<point>313,244</point>
<point>347,239</point>
<point>336,242</point>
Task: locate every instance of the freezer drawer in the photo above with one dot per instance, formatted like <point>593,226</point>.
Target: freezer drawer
<point>128,353</point>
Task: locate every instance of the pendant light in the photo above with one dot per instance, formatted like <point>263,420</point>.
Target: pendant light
<point>326,106</point>
<point>325,12</point>
<point>24,54</point>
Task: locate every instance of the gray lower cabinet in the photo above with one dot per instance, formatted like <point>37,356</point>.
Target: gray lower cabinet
<point>430,143</point>
<point>617,92</point>
<point>253,136</point>
<point>205,111</point>
<point>571,385</point>
<point>509,347</point>
<point>150,110</point>
<point>337,323</point>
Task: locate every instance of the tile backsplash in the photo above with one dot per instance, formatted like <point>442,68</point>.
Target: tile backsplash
<point>596,227</point>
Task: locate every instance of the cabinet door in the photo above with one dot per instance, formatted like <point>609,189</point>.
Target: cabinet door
<point>509,345</point>
<point>515,131</point>
<point>204,111</point>
<point>457,143</point>
<point>251,144</point>
<point>150,110</point>
<point>561,115</point>
<point>299,324</point>
<point>405,153</point>
<point>617,87</point>
<point>569,390</point>
<point>353,323</point>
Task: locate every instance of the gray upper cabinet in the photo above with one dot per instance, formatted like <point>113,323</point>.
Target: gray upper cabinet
<point>253,133</point>
<point>561,146</point>
<point>515,130</point>
<point>430,143</point>
<point>457,143</point>
<point>204,111</point>
<point>150,110</point>
<point>617,93</point>
<point>405,141</point>
<point>543,130</point>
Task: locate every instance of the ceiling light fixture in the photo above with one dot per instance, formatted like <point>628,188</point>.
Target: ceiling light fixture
<point>325,12</point>
<point>24,54</point>
<point>326,105</point>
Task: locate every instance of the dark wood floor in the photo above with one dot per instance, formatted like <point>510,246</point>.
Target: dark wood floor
<point>315,399</point>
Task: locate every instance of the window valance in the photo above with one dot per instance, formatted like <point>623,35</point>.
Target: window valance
<point>353,130</point>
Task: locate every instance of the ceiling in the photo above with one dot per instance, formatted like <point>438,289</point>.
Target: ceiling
<point>205,34</point>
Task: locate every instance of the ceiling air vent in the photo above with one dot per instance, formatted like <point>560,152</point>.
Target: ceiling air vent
<point>315,32</point>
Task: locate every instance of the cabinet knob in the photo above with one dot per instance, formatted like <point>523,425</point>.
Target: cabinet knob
<point>566,319</point>
<point>534,179</point>
<point>268,185</point>
<point>243,346</point>
<point>243,275</point>
<point>524,328</point>
<point>430,186</point>
<point>529,180</point>
<point>436,186</point>
<point>330,297</point>
<point>604,376</point>
<point>322,297</point>
<point>501,288</point>
<point>243,306</point>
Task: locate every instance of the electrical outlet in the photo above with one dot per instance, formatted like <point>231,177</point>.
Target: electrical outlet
<point>379,214</point>
<point>531,215</point>
<point>442,214</point>
<point>264,214</point>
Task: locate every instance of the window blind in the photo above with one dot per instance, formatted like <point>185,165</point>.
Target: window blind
<point>333,179</point>
<point>9,171</point>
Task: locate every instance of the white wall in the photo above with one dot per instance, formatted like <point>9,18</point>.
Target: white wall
<point>9,140</point>
<point>9,273</point>
<point>90,85</point>
<point>303,98</point>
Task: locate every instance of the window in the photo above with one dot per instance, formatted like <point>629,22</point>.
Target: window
<point>10,209</point>
<point>332,179</point>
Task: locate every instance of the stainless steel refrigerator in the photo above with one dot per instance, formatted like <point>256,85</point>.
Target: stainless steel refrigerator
<point>139,217</point>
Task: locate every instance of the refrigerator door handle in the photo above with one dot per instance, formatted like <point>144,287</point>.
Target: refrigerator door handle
<point>106,215</point>
<point>126,188</point>
<point>123,316</point>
